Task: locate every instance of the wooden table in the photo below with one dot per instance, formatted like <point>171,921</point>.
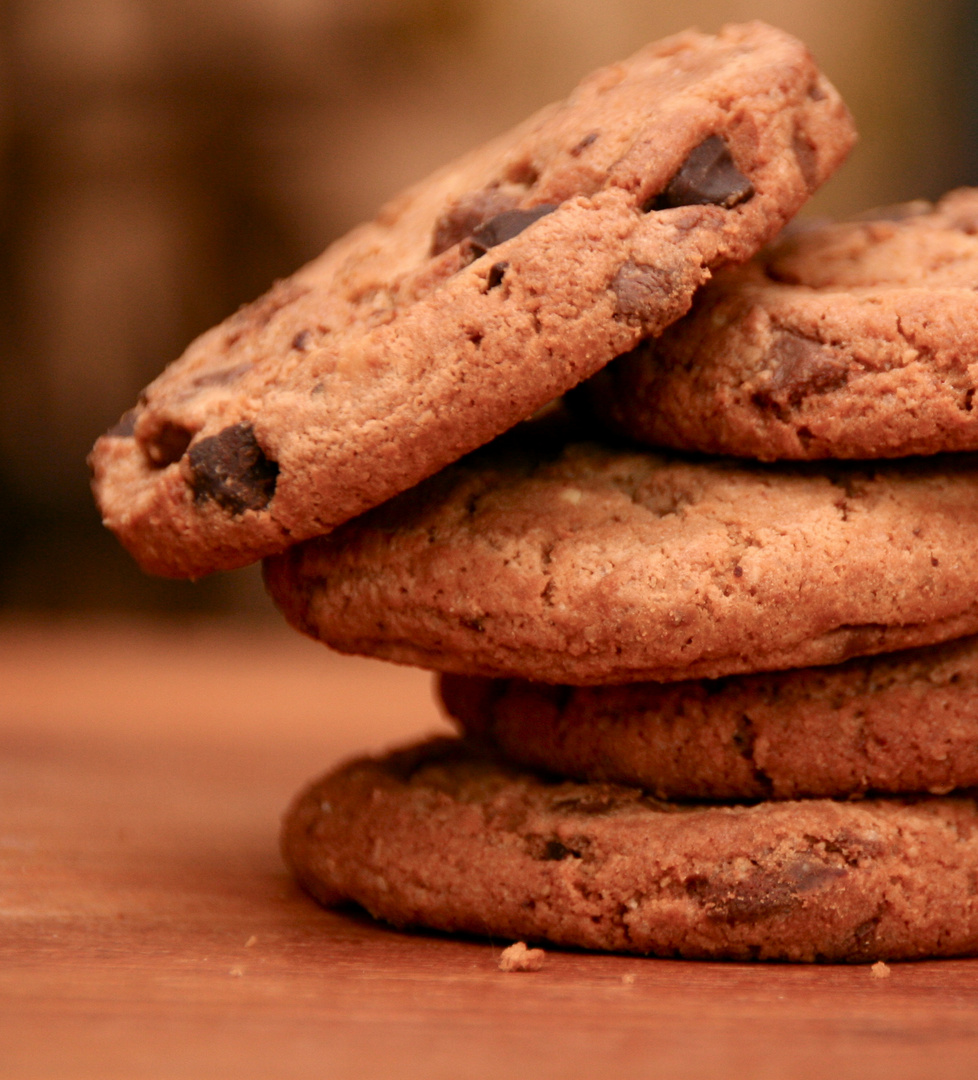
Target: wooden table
<point>147,928</point>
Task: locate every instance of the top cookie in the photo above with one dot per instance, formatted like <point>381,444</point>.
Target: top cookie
<point>855,340</point>
<point>472,299</point>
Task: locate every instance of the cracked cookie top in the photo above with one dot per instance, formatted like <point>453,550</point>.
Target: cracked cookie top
<point>472,299</point>
<point>594,565</point>
<point>852,340</point>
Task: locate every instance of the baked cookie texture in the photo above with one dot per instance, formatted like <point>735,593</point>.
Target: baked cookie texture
<point>903,722</point>
<point>442,836</point>
<point>603,565</point>
<point>472,299</point>
<point>851,340</point>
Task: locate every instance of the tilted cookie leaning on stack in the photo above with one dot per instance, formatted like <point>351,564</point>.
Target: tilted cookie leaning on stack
<point>473,299</point>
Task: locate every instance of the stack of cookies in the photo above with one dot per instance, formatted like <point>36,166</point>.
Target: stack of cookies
<point>687,727</point>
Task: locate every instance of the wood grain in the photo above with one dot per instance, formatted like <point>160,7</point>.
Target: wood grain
<point>147,928</point>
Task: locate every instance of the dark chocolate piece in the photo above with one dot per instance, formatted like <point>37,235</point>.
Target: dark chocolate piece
<point>231,468</point>
<point>639,289</point>
<point>579,148</point>
<point>800,367</point>
<point>465,216</point>
<point>224,376</point>
<point>763,893</point>
<point>504,226</point>
<point>496,273</point>
<point>806,155</point>
<point>707,177</point>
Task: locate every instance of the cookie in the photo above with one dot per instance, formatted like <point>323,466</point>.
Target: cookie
<point>602,565</point>
<point>444,837</point>
<point>903,722</point>
<point>472,299</point>
<point>855,340</point>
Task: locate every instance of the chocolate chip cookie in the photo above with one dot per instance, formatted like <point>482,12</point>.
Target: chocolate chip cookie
<point>443,836</point>
<point>903,722</point>
<point>853,340</point>
<point>600,565</point>
<point>472,299</point>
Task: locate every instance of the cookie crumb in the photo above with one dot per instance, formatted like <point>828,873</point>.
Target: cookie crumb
<point>236,972</point>
<point>879,970</point>
<point>518,957</point>
<point>628,980</point>
<point>251,941</point>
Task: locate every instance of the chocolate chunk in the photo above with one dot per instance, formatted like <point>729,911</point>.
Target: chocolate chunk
<point>496,273</point>
<point>167,444</point>
<point>639,290</point>
<point>504,226</point>
<point>707,177</point>
<point>863,937</point>
<point>745,740</point>
<point>462,219</point>
<point>763,893</point>
<point>231,468</point>
<point>224,376</point>
<point>124,427</point>
<point>807,157</point>
<point>800,367</point>
<point>554,851</point>
<point>579,148</point>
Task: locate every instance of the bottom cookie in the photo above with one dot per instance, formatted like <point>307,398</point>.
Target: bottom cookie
<point>441,835</point>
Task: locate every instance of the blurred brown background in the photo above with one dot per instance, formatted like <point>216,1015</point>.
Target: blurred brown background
<point>163,161</point>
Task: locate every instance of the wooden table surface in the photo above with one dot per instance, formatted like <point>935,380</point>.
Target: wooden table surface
<point>148,929</point>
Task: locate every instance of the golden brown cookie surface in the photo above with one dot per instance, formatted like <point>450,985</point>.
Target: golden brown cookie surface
<point>898,723</point>
<point>471,300</point>
<point>608,566</point>
<point>854,340</point>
